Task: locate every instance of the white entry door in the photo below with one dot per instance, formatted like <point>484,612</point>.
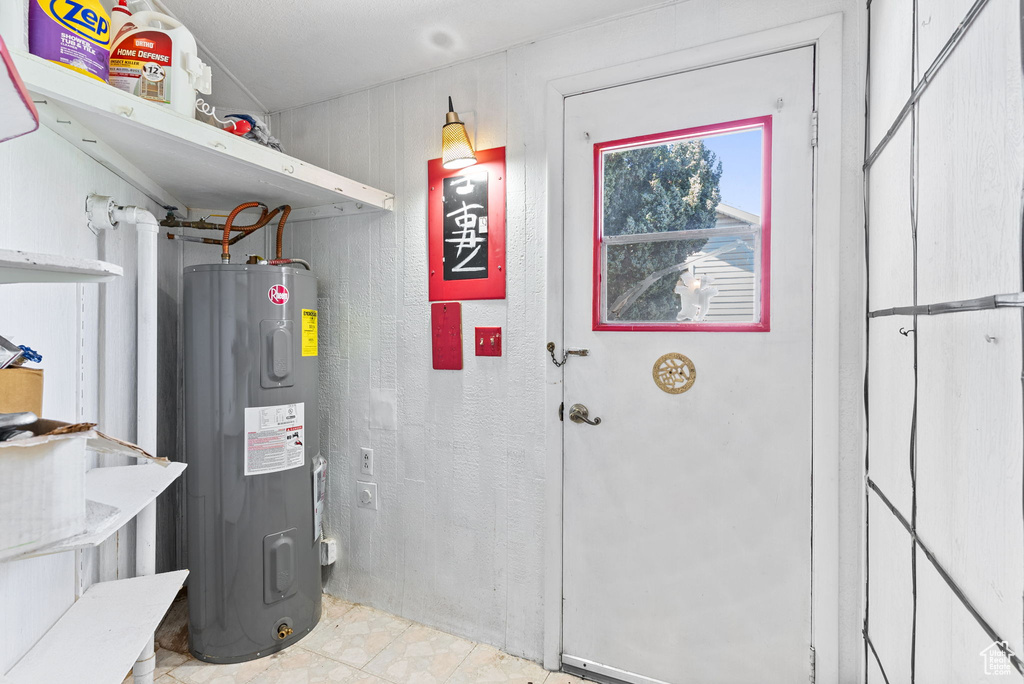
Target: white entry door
<point>688,257</point>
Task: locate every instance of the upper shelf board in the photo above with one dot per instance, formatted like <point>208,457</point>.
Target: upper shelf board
<point>177,160</point>
<point>30,267</point>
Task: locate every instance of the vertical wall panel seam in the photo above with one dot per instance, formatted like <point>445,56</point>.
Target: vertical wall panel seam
<point>914,133</point>
<point>867,347</point>
<point>1020,252</point>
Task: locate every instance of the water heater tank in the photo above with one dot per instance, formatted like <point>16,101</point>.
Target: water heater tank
<point>252,442</point>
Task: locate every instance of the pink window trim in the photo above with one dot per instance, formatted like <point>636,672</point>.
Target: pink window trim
<point>764,324</point>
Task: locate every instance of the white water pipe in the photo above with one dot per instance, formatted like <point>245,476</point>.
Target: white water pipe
<point>146,376</point>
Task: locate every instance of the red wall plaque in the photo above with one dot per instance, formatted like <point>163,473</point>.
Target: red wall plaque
<point>446,335</point>
<point>466,226</point>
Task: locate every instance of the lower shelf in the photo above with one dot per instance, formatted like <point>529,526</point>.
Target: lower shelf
<point>102,634</point>
<point>114,496</point>
<point>30,267</point>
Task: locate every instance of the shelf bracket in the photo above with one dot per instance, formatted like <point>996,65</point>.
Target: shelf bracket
<point>59,121</point>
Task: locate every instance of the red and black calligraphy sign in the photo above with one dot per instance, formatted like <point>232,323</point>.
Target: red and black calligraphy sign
<point>466,220</point>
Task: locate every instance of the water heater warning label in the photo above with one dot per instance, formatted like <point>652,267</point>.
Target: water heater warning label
<point>274,438</point>
<point>309,332</point>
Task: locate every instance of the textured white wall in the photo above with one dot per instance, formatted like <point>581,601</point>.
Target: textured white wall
<point>957,474</point>
<point>86,334</point>
<point>457,541</point>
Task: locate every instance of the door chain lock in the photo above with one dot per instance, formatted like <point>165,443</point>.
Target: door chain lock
<point>565,355</point>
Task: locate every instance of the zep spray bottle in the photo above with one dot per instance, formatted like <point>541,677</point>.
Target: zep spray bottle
<point>72,33</point>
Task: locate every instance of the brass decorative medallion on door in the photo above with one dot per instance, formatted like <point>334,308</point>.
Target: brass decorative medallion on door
<point>674,373</point>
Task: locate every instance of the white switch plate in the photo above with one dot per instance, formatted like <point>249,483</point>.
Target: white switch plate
<point>366,494</point>
<point>366,461</point>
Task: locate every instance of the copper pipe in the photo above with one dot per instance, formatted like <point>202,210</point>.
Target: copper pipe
<point>286,262</point>
<point>202,225</point>
<point>225,253</point>
<point>192,238</point>
<point>264,219</point>
<point>248,230</point>
<point>285,210</point>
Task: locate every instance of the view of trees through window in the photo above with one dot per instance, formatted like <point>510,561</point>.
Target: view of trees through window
<point>670,187</point>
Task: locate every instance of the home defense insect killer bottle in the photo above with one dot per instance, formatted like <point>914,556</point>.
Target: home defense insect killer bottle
<point>155,57</point>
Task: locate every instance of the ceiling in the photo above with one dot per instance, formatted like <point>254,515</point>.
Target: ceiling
<point>288,57</point>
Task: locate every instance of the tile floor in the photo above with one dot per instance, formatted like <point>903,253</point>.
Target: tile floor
<point>353,644</point>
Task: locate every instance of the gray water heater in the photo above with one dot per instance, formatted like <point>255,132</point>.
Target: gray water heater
<point>252,442</point>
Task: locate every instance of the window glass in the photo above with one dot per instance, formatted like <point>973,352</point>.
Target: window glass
<point>680,228</point>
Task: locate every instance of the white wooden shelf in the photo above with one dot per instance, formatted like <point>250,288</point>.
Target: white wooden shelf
<point>114,495</point>
<point>177,160</point>
<point>29,267</point>
<point>101,635</point>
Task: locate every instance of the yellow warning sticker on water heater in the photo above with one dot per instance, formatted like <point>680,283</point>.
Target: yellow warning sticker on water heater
<point>309,332</point>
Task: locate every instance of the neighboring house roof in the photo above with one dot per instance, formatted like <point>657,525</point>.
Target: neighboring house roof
<point>725,213</point>
<point>734,271</point>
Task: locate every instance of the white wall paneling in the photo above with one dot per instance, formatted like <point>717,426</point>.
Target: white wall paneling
<point>891,243</point>
<point>891,385</point>
<point>464,478</point>
<point>890,592</point>
<point>949,639</point>
<point>891,52</point>
<point>971,146</point>
<point>957,158</point>
<point>969,459</point>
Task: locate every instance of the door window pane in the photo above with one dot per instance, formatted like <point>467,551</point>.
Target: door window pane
<point>680,237</point>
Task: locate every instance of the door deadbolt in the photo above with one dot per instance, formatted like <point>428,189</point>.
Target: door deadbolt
<point>578,413</point>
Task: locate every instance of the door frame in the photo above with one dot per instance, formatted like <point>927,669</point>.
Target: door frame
<point>825,35</point>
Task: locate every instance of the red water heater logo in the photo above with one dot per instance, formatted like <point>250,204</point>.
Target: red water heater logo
<point>278,294</point>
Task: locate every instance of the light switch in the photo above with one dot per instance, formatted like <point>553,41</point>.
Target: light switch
<point>487,342</point>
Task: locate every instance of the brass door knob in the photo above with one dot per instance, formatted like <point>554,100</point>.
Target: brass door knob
<point>578,413</point>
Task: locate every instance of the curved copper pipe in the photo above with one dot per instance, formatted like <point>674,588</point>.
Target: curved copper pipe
<point>263,220</point>
<point>246,231</point>
<point>243,231</point>
<point>225,253</point>
<point>285,211</point>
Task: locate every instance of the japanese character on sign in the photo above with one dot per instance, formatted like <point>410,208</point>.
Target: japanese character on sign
<point>465,227</point>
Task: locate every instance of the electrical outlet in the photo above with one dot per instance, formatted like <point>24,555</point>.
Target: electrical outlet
<point>366,494</point>
<point>366,461</point>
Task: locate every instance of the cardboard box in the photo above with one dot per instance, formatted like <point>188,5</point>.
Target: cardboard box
<point>21,389</point>
<point>42,483</point>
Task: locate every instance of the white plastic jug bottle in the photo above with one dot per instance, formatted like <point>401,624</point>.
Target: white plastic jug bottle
<point>155,57</point>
